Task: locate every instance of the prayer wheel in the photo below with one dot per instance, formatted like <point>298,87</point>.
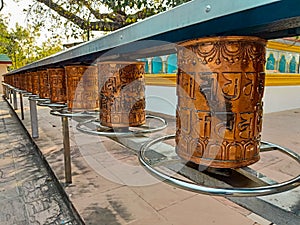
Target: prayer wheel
<point>220,86</point>
<point>14,80</point>
<point>22,81</point>
<point>44,86</point>
<point>57,85</point>
<point>122,94</point>
<point>28,82</point>
<point>82,88</point>
<point>35,82</point>
<point>18,81</point>
<point>8,79</point>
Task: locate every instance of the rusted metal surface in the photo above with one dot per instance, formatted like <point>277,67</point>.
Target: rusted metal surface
<point>220,90</point>
<point>122,94</point>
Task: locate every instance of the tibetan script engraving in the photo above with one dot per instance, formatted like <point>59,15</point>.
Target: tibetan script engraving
<point>219,111</point>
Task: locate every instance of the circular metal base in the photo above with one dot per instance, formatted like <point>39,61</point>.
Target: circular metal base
<point>27,94</point>
<point>38,99</point>
<point>66,113</point>
<point>44,102</point>
<point>33,97</point>
<point>22,91</point>
<point>235,192</point>
<point>120,132</point>
<point>48,103</point>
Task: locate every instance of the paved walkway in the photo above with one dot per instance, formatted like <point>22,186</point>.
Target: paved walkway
<point>28,192</point>
<point>110,187</point>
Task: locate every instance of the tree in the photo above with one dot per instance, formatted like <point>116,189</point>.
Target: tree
<point>83,16</point>
<point>1,5</point>
<point>20,44</point>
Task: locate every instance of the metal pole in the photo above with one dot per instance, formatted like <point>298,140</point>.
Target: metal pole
<point>10,98</point>
<point>21,105</point>
<point>67,151</point>
<point>34,119</point>
<point>15,100</point>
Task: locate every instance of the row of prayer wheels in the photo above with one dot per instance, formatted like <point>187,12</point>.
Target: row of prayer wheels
<point>220,85</point>
<point>121,99</point>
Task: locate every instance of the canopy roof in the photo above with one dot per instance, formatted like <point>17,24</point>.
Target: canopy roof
<point>4,59</point>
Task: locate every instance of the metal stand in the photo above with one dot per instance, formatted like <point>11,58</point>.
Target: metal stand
<point>98,129</point>
<point>64,114</point>
<point>33,117</point>
<point>9,94</point>
<point>234,191</point>
<point>48,103</point>
<point>15,99</point>
<point>67,149</point>
<point>21,105</point>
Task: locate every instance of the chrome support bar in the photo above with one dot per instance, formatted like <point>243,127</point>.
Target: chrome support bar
<point>234,191</point>
<point>33,118</point>
<point>67,149</point>
<point>21,105</point>
<point>15,100</point>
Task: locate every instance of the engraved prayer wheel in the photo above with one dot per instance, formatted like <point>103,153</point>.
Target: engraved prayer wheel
<point>18,81</point>
<point>8,79</point>
<point>14,80</point>
<point>82,87</point>
<point>220,87</point>
<point>28,82</point>
<point>57,85</point>
<point>21,81</point>
<point>122,94</point>
<point>44,86</point>
<point>35,82</point>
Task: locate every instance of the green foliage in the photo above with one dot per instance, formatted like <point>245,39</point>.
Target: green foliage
<point>20,44</point>
<point>78,17</point>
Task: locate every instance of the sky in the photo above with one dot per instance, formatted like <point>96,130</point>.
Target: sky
<point>15,12</point>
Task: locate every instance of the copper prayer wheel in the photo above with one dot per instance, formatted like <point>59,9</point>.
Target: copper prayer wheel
<point>17,81</point>
<point>220,87</point>
<point>28,82</point>
<point>82,87</point>
<point>57,85</point>
<point>22,82</point>
<point>35,82</point>
<point>14,80</point>
<point>122,94</point>
<point>44,87</point>
<point>8,79</point>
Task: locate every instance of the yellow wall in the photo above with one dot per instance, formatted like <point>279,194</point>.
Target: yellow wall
<point>272,79</point>
<point>3,70</point>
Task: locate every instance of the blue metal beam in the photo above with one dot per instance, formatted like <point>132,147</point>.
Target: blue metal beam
<point>199,18</point>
